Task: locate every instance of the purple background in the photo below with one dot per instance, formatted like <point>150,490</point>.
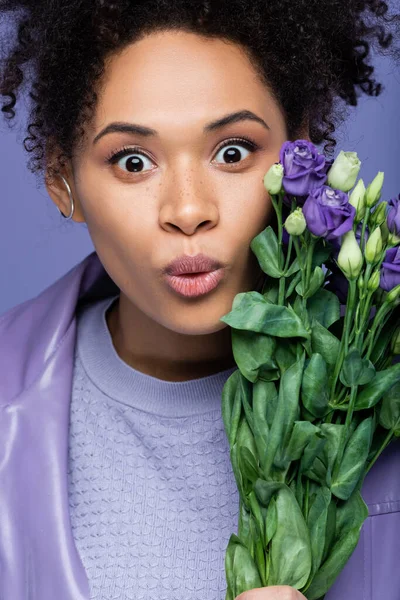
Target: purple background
<point>37,246</point>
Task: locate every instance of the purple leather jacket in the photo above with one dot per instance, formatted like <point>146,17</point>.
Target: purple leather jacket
<point>38,557</point>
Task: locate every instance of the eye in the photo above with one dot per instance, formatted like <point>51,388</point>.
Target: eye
<point>233,155</point>
<point>134,159</point>
<point>135,162</point>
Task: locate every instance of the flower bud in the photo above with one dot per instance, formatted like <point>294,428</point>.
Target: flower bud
<point>393,295</point>
<point>393,239</point>
<point>373,192</point>
<point>378,216</point>
<point>273,178</point>
<point>295,224</point>
<point>350,258</point>
<point>373,247</point>
<point>344,171</point>
<point>374,281</point>
<point>357,199</point>
<point>360,282</point>
<point>395,343</point>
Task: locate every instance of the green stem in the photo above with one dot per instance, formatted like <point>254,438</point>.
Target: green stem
<point>343,441</point>
<point>289,252</point>
<point>277,200</point>
<point>377,326</point>
<point>383,446</point>
<point>344,341</point>
<point>301,263</point>
<point>364,225</point>
<point>281,295</point>
<point>310,252</point>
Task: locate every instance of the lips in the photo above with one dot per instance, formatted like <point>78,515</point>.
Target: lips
<point>192,264</point>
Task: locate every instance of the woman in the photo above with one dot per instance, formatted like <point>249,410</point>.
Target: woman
<point>154,123</point>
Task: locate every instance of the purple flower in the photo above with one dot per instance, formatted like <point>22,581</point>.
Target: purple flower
<point>393,215</point>
<point>390,272</point>
<point>328,213</point>
<point>303,167</point>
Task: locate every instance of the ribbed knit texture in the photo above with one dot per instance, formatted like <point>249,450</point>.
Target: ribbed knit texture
<point>153,498</point>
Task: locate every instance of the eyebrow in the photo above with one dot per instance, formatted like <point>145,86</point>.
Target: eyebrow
<point>235,117</point>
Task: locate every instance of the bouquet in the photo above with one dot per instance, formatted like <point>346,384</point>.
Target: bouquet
<point>316,396</point>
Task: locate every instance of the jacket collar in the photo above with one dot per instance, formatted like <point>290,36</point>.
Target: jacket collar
<point>37,341</point>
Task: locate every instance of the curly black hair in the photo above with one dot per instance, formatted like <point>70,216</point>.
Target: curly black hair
<point>309,53</point>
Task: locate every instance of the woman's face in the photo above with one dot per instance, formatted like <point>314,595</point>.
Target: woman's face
<point>177,192</point>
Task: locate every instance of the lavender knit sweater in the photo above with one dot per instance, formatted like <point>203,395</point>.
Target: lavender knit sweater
<point>152,495</point>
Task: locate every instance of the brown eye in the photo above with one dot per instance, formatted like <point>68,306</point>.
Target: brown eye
<point>132,160</point>
<point>231,152</point>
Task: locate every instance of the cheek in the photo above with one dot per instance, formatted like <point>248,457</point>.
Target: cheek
<point>254,212</point>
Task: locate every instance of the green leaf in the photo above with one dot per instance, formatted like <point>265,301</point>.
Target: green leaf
<point>311,451</point>
<point>332,432</point>
<point>249,466</point>
<point>382,382</point>
<point>301,434</point>
<point>266,489</point>
<point>330,530</point>
<point>236,470</point>
<point>265,398</point>
<point>324,342</point>
<point>389,416</point>
<point>245,572</point>
<point>287,411</point>
<point>317,521</point>
<point>230,579</point>
<point>265,247</point>
<point>271,291</point>
<point>245,437</point>
<point>356,370</point>
<point>350,517</point>
<point>271,521</point>
<point>317,279</point>
<point>294,268</point>
<point>253,313</point>
<point>290,548</point>
<point>285,354</point>
<point>246,394</point>
<point>256,510</point>
<point>324,306</point>
<point>295,280</point>
<point>314,387</point>
<point>322,252</point>
<point>231,406</point>
<point>353,461</point>
<point>251,351</point>
<point>382,342</point>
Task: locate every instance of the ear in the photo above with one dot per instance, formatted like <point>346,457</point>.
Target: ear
<point>58,192</point>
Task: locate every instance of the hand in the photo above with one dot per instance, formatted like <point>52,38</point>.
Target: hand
<point>272,592</point>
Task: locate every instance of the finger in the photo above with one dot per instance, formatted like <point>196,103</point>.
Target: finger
<point>272,592</point>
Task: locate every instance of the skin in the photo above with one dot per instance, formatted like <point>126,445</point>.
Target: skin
<point>187,199</point>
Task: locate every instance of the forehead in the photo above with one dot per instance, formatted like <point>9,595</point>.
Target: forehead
<point>173,75</point>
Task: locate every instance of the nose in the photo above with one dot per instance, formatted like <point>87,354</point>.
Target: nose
<point>188,203</point>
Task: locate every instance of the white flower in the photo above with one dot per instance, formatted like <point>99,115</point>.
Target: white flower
<point>373,247</point>
<point>295,224</point>
<point>357,199</point>
<point>350,258</point>
<point>344,171</point>
<point>273,178</point>
<point>374,189</point>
